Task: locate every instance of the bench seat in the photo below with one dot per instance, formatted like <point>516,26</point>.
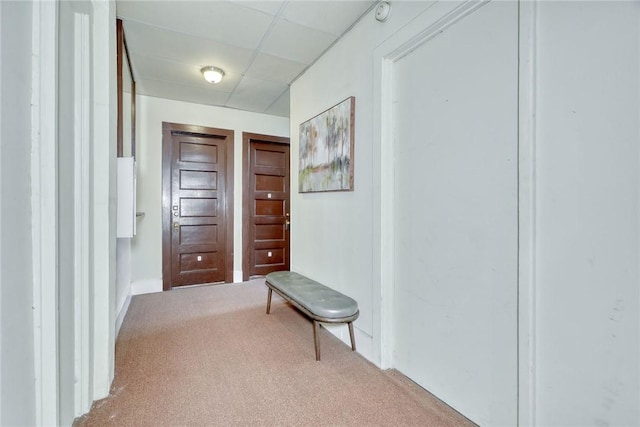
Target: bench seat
<point>317,301</point>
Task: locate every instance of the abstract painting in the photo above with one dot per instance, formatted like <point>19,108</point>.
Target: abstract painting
<point>326,150</point>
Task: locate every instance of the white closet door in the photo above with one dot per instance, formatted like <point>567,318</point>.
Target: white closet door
<point>455,217</point>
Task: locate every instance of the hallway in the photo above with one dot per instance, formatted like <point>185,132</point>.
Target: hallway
<point>209,355</point>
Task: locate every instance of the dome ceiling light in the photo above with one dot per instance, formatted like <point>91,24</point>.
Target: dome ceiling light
<point>212,74</point>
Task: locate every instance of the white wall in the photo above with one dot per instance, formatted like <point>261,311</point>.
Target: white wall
<point>17,387</point>
<point>332,233</point>
<point>587,232</point>
<point>146,248</point>
<point>582,295</point>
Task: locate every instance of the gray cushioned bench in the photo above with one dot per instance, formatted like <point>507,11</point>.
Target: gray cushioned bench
<point>319,302</point>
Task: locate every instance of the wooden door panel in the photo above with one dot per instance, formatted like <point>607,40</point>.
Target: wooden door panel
<point>198,262</point>
<point>199,271</point>
<point>270,183</point>
<point>268,257</point>
<point>200,153</point>
<point>269,208</point>
<point>198,234</point>
<point>269,232</point>
<point>268,158</point>
<point>266,207</point>
<point>202,207</point>
<point>198,208</point>
<point>198,180</point>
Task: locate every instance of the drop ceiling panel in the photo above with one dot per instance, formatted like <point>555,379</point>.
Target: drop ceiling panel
<point>281,106</point>
<point>295,42</point>
<point>261,45</point>
<point>150,68</point>
<point>271,6</point>
<point>321,15</point>
<point>271,68</point>
<point>178,47</point>
<point>222,21</point>
<point>256,95</point>
<point>192,94</point>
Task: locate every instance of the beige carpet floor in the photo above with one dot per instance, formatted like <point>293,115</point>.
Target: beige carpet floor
<point>209,355</point>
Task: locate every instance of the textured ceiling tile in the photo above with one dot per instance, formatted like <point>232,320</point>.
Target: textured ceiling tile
<point>296,43</point>
<point>155,41</point>
<point>255,95</point>
<point>222,21</point>
<point>170,40</point>
<point>167,90</point>
<point>332,17</point>
<point>150,68</point>
<point>281,106</point>
<point>271,6</point>
<point>267,67</point>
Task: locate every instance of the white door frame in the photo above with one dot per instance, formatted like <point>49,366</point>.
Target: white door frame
<point>526,213</point>
<point>103,173</point>
<point>95,340</point>
<point>427,25</point>
<point>44,208</point>
<point>82,214</point>
<point>424,27</point>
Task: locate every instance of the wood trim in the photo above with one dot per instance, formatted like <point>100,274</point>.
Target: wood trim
<point>133,95</point>
<point>352,137</point>
<point>166,206</point>
<point>169,129</point>
<point>246,226</point>
<point>229,192</point>
<point>247,137</point>
<point>122,51</point>
<point>119,53</point>
<point>133,115</point>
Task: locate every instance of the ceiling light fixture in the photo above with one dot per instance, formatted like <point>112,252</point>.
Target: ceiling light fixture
<point>212,74</point>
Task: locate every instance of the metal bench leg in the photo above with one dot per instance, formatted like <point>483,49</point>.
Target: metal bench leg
<point>316,339</point>
<point>353,338</point>
<point>269,301</point>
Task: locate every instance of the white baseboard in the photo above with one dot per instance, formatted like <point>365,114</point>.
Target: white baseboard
<point>122,312</point>
<point>138,287</point>
<point>237,276</point>
<point>146,286</point>
<point>364,341</point>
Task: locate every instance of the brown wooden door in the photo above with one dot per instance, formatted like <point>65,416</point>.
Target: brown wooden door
<point>198,213</point>
<point>266,205</point>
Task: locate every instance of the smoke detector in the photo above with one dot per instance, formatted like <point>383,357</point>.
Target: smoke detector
<point>382,11</point>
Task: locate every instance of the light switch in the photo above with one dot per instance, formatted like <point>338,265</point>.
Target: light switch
<point>269,254</point>
<point>199,258</point>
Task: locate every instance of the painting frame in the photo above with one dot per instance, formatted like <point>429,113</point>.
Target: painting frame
<point>326,150</point>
